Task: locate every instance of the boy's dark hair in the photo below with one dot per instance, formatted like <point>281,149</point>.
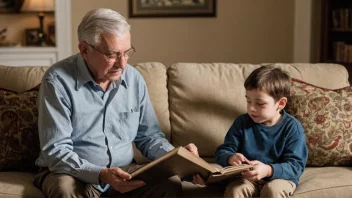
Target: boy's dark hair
<point>274,81</point>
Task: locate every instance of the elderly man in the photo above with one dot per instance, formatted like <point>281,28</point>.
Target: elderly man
<point>92,107</point>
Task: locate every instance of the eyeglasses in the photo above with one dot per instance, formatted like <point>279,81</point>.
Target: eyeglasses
<point>112,56</point>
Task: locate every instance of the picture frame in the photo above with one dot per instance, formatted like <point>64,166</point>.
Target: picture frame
<point>172,8</point>
<point>10,6</point>
<point>31,36</point>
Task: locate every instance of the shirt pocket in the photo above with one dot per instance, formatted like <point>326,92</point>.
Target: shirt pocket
<point>129,123</point>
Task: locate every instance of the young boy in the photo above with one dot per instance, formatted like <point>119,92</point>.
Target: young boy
<point>266,137</point>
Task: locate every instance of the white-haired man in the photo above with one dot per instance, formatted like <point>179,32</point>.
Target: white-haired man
<point>92,107</point>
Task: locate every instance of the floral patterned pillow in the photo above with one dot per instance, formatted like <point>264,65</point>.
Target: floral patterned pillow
<point>326,116</point>
<point>19,142</point>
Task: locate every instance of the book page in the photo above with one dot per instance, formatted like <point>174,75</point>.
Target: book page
<point>229,172</point>
<point>235,169</point>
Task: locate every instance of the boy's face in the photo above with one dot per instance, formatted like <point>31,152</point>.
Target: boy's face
<point>262,108</point>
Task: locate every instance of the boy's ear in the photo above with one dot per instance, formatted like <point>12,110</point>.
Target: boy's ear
<point>282,103</point>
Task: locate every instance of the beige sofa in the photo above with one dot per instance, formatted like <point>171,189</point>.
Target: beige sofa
<point>194,103</point>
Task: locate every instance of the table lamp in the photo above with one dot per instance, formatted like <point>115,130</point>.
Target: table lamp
<point>39,6</point>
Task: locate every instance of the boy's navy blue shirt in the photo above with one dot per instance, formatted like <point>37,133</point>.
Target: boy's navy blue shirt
<point>282,146</point>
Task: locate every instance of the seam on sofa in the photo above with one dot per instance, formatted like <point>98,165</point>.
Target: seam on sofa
<point>168,100</point>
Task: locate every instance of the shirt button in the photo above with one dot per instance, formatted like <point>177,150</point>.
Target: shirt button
<point>110,147</point>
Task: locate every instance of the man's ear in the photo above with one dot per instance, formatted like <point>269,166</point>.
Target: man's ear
<point>282,103</point>
<point>83,49</point>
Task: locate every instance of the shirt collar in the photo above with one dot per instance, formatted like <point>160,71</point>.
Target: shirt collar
<point>83,75</point>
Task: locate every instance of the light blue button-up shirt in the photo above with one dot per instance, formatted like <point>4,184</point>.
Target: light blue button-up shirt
<point>83,128</point>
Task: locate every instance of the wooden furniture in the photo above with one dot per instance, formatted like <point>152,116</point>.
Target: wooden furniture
<point>336,45</point>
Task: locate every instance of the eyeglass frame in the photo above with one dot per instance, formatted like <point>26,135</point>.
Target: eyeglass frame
<point>118,54</point>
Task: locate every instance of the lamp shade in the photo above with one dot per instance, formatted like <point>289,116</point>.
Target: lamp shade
<point>38,6</point>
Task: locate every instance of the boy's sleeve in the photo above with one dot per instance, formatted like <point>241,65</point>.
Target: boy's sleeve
<point>231,143</point>
<point>294,158</point>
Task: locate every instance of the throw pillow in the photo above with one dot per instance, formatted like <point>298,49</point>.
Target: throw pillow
<point>19,141</point>
<point>326,116</point>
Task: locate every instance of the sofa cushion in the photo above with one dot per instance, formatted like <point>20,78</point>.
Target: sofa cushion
<point>326,116</point>
<point>20,79</point>
<point>315,182</point>
<point>327,75</point>
<point>18,184</point>
<point>19,141</point>
<point>325,182</point>
<point>154,74</point>
<point>204,101</point>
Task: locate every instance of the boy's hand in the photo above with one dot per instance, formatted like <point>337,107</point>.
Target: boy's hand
<point>237,159</point>
<point>260,171</point>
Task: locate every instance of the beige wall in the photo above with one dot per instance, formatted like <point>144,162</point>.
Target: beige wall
<point>248,31</point>
<point>307,31</point>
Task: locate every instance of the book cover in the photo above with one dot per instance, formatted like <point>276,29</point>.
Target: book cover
<point>183,163</point>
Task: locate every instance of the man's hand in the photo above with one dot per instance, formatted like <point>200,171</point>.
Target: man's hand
<point>260,171</point>
<point>197,179</point>
<point>192,148</point>
<point>237,159</point>
<point>119,179</point>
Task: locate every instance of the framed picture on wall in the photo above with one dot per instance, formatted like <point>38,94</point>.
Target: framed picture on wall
<point>172,8</point>
<point>31,37</point>
<point>10,6</point>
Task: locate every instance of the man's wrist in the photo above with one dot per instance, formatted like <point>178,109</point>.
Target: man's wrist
<point>101,176</point>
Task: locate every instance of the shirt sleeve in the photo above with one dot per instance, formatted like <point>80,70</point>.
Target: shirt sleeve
<point>55,128</point>
<point>150,139</point>
<point>231,144</point>
<point>294,159</point>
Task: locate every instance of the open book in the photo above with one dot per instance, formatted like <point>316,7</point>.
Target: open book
<point>183,163</point>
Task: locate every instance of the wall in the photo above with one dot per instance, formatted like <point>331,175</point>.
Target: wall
<point>17,23</point>
<point>307,31</point>
<point>244,31</point>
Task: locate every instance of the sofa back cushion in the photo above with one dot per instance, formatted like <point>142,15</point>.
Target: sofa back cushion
<point>154,74</point>
<point>205,99</point>
<point>330,76</point>
<point>20,79</point>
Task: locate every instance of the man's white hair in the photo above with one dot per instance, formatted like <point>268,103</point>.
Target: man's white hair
<point>101,20</point>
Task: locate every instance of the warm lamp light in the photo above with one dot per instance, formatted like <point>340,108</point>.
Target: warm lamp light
<point>39,6</point>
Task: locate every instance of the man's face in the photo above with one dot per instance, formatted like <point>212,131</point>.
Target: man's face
<point>103,68</point>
